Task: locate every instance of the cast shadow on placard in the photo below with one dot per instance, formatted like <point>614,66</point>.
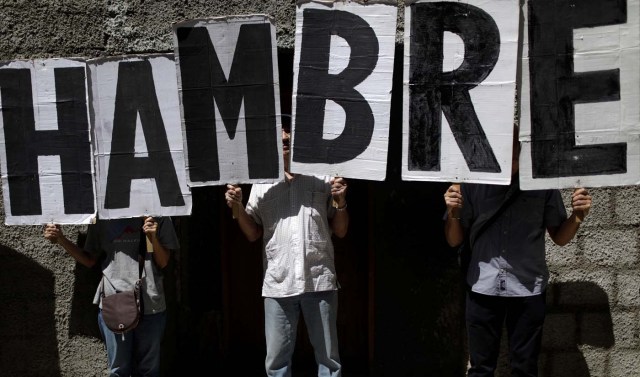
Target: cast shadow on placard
<point>27,319</point>
<point>578,314</point>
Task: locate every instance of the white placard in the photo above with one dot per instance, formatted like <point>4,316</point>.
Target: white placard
<point>343,73</point>
<point>228,81</point>
<point>460,64</point>
<point>139,149</point>
<point>586,109</point>
<point>45,143</point>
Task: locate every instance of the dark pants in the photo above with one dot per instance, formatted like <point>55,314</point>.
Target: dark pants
<point>523,316</point>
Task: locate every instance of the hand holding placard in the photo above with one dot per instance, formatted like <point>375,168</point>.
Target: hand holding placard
<point>234,199</point>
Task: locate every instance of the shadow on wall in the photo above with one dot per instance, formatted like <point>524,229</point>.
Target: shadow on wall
<point>27,317</point>
<point>578,315</point>
<point>84,313</point>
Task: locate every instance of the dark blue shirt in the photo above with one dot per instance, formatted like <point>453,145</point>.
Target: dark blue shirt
<point>508,258</point>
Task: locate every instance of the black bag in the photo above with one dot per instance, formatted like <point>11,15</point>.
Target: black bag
<point>121,311</point>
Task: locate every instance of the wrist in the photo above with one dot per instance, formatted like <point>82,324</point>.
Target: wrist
<point>577,217</point>
<point>60,240</point>
<point>340,207</point>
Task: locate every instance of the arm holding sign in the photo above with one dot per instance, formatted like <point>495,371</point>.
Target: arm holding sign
<point>340,221</point>
<point>247,224</point>
<point>53,232</point>
<point>580,203</point>
<point>453,230</point>
<point>160,253</point>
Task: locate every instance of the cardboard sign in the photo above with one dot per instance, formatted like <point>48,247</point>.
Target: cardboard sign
<point>138,141</point>
<point>47,166</point>
<point>343,72</point>
<point>459,90</point>
<point>580,119</point>
<point>228,83</point>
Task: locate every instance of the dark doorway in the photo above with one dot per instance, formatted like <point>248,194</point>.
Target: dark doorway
<point>401,299</point>
<point>219,299</point>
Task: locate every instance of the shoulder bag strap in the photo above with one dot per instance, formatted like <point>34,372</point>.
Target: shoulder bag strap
<point>142,252</point>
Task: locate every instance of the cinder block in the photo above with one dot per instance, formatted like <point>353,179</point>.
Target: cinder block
<point>624,363</point>
<point>611,247</point>
<point>597,360</point>
<point>583,287</point>
<point>625,329</point>
<point>626,204</point>
<point>560,256</point>
<point>629,289</point>
<point>559,332</point>
<point>596,328</point>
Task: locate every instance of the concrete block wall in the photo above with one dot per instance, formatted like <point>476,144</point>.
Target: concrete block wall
<point>593,326</point>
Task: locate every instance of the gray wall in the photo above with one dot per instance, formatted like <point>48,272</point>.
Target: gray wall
<point>47,324</point>
<point>593,322</point>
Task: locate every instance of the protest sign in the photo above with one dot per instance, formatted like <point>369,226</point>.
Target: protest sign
<point>460,62</point>
<point>580,120</point>
<point>343,72</point>
<point>47,166</point>
<point>228,83</point>
<point>140,166</point>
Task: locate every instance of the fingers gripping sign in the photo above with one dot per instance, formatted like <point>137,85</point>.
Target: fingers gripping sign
<point>52,232</point>
<point>454,201</point>
<point>339,192</point>
<point>580,203</point>
<point>234,199</point>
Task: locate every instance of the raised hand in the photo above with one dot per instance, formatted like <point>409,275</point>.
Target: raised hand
<point>581,203</point>
<point>339,191</point>
<point>454,200</point>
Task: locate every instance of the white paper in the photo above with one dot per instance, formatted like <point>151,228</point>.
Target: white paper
<point>144,199</point>
<point>49,167</point>
<point>594,49</point>
<point>233,156</point>
<point>493,100</point>
<point>370,164</point>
